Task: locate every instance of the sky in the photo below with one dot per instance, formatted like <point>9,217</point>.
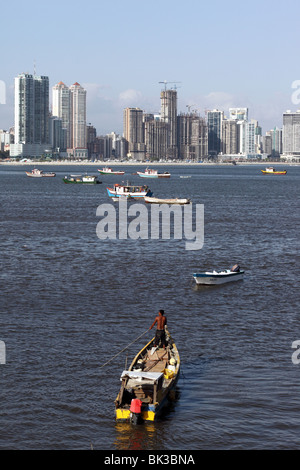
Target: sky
<point>218,54</point>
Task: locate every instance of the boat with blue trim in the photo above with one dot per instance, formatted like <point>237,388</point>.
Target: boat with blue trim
<point>128,190</point>
<point>149,383</point>
<point>219,277</point>
<point>151,173</point>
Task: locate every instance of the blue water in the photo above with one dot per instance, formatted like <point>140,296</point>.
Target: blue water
<point>70,302</point>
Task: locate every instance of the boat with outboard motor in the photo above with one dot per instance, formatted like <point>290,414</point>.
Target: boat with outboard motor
<point>219,277</point>
<point>149,382</point>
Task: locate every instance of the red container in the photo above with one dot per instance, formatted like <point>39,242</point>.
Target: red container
<point>136,405</point>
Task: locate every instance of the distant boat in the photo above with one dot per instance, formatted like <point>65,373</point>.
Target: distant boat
<point>110,171</point>
<point>185,176</point>
<point>35,173</point>
<point>271,171</point>
<point>79,179</point>
<point>129,190</point>
<point>150,173</point>
<point>147,384</point>
<point>219,277</point>
<point>156,200</point>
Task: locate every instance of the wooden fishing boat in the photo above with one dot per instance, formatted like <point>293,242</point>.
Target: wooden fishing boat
<point>35,173</point>
<point>129,190</point>
<point>110,171</point>
<point>155,200</point>
<point>148,384</point>
<point>151,173</point>
<point>271,171</point>
<point>219,277</point>
<point>79,179</point>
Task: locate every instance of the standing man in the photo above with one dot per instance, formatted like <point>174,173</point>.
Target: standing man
<point>160,336</point>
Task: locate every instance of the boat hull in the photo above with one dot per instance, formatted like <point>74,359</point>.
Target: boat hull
<point>103,172</point>
<point>44,175</point>
<point>154,200</point>
<point>151,411</point>
<point>158,175</point>
<point>266,172</point>
<point>217,278</point>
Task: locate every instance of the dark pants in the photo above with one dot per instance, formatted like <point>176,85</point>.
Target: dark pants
<point>160,337</point>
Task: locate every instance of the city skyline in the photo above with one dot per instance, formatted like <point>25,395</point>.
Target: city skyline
<point>220,56</point>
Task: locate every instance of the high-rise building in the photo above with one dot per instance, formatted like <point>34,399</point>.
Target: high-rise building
<point>134,132</point>
<point>214,123</point>
<point>192,137</point>
<point>229,137</point>
<point>31,115</point>
<point>169,116</point>
<point>61,107</point>
<point>291,133</point>
<point>78,138</point>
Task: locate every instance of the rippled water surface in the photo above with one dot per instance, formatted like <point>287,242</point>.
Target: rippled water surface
<point>70,302</point>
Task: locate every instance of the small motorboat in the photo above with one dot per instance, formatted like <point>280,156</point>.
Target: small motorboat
<point>110,171</point>
<point>219,277</point>
<point>35,173</point>
<point>148,383</point>
<point>129,190</point>
<point>79,179</point>
<point>271,171</point>
<point>156,200</point>
<point>150,173</point>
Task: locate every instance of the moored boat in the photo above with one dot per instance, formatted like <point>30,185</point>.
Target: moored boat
<point>110,171</point>
<point>35,173</point>
<point>151,173</point>
<point>129,190</point>
<point>156,200</point>
<point>271,171</point>
<point>79,179</point>
<point>147,384</point>
<point>219,277</point>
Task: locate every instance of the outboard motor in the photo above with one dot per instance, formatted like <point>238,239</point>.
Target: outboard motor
<point>136,411</point>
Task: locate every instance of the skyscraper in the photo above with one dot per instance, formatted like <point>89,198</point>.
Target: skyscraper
<point>214,123</point>
<point>169,116</point>
<point>78,138</point>
<point>31,115</point>
<point>134,132</point>
<point>61,106</point>
<point>291,133</point>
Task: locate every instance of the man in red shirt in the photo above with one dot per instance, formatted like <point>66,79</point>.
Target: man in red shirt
<point>160,336</point>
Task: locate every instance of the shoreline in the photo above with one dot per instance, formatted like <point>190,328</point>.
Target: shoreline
<point>102,164</point>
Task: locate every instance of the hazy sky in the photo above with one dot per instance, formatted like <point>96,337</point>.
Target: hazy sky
<point>220,53</point>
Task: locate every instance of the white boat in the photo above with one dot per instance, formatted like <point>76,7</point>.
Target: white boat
<point>150,173</point>
<point>156,200</point>
<point>219,277</point>
<point>129,190</point>
<point>110,171</point>
<point>35,173</point>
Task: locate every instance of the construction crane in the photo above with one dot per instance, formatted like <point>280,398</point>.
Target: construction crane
<point>189,106</point>
<point>165,83</point>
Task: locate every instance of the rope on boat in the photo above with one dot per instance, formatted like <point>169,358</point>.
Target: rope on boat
<point>124,348</point>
